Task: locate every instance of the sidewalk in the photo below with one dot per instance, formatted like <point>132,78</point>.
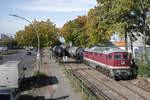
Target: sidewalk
<point>55,84</point>
<point>62,88</point>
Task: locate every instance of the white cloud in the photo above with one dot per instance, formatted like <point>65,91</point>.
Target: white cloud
<point>58,5</point>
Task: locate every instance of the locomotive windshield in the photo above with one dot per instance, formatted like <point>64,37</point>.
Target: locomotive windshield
<point>117,56</point>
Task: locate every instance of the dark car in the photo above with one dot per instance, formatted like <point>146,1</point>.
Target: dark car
<point>28,53</point>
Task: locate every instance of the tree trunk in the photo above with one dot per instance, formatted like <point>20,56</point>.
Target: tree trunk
<point>144,37</point>
<point>131,41</point>
<point>126,42</point>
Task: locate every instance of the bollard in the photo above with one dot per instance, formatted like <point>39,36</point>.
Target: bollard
<point>66,58</point>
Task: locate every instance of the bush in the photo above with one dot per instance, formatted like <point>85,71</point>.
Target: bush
<point>144,66</point>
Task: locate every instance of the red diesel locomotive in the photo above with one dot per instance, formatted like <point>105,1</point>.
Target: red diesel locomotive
<point>114,62</point>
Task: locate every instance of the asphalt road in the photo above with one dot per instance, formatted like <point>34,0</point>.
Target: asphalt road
<point>27,60</point>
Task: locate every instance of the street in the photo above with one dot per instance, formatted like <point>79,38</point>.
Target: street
<point>27,60</point>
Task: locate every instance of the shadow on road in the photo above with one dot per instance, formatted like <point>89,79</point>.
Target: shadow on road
<point>44,80</point>
<point>29,97</point>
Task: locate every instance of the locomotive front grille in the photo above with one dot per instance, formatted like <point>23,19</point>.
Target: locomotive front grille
<point>123,73</point>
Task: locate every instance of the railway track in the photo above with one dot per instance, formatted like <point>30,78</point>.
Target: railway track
<point>136,89</point>
<point>86,81</point>
<point>104,96</point>
<point>129,81</point>
<point>108,90</point>
<point>143,93</point>
<point>121,90</point>
<point>113,94</point>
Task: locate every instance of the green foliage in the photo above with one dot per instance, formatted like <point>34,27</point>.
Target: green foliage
<point>144,66</point>
<point>126,16</point>
<point>74,31</point>
<point>48,34</point>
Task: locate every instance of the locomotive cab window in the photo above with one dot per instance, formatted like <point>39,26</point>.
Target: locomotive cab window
<point>125,56</point>
<point>117,56</point>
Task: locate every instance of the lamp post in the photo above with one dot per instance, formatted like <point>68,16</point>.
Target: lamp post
<point>37,34</point>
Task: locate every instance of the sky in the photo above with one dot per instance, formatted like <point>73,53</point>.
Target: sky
<point>58,11</point>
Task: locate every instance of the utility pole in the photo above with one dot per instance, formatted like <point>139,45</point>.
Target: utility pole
<point>37,34</point>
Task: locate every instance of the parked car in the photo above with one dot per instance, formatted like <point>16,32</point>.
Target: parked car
<point>31,47</point>
<point>28,53</point>
<point>3,48</point>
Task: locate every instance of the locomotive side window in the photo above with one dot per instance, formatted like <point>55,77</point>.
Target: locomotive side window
<point>96,54</point>
<point>110,56</point>
<point>117,56</point>
<point>125,56</point>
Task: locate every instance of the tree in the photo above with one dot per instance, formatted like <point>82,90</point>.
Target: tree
<point>74,31</point>
<point>127,15</point>
<point>5,41</point>
<point>141,12</point>
<point>47,33</point>
<point>99,25</point>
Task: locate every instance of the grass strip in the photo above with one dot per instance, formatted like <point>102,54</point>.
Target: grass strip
<point>8,52</point>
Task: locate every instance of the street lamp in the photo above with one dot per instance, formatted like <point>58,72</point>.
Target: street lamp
<point>37,34</point>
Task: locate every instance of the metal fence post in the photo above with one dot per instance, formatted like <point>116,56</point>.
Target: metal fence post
<point>76,81</point>
<point>82,88</point>
<point>89,96</point>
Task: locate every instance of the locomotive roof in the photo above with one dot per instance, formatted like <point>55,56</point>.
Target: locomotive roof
<point>105,50</point>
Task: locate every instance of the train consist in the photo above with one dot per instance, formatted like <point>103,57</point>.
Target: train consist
<point>112,61</point>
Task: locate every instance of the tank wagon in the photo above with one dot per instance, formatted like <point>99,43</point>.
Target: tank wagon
<point>59,50</point>
<point>114,62</point>
<point>72,51</point>
<point>79,53</point>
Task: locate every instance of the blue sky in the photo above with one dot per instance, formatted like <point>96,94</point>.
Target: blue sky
<point>58,11</point>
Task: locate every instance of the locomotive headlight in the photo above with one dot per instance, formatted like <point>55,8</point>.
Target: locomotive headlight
<point>123,62</point>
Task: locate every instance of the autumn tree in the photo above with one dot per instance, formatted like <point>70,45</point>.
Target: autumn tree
<point>99,26</point>
<point>47,33</point>
<point>74,31</point>
<point>5,41</point>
